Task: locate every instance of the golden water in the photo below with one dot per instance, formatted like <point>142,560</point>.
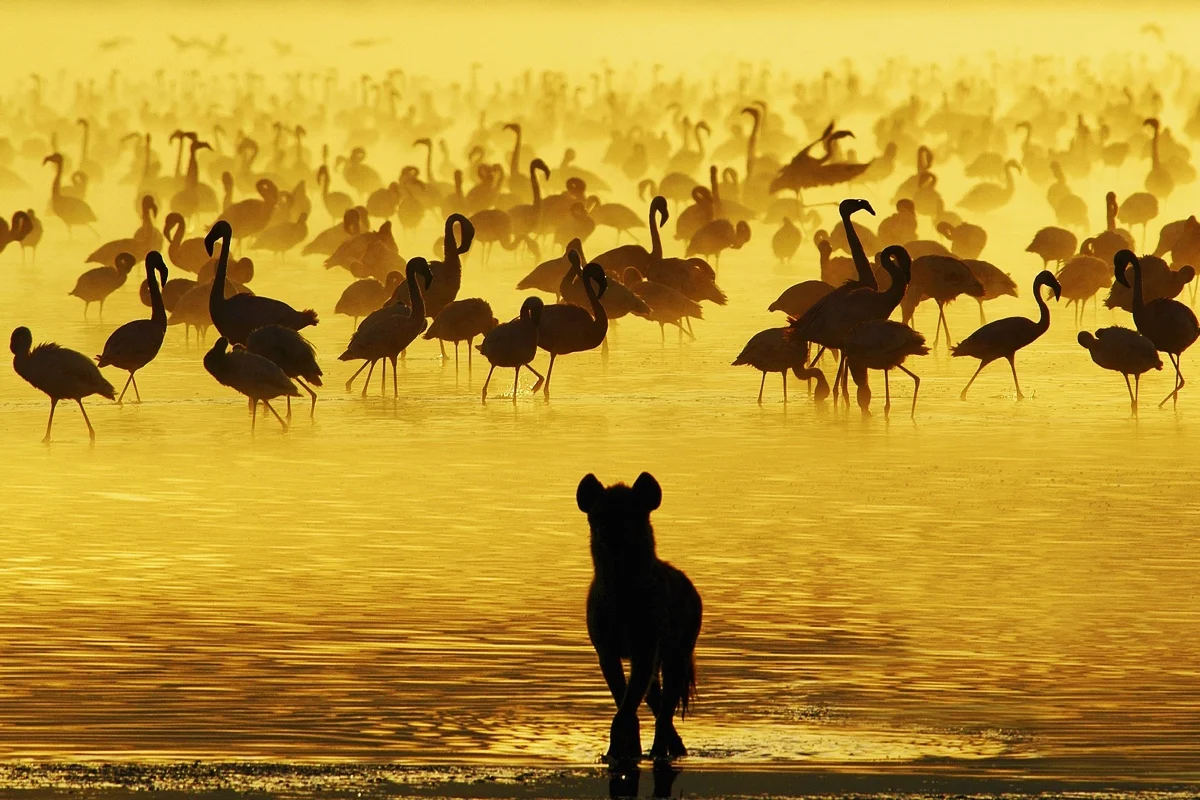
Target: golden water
<point>995,582</point>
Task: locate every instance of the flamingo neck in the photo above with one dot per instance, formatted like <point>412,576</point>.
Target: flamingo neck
<point>656,250</point>
<point>158,312</point>
<point>1043,323</point>
<point>861,264</point>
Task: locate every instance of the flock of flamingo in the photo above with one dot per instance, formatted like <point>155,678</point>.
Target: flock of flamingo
<point>655,140</point>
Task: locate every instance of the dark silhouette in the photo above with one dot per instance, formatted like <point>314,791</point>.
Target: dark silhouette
<point>293,354</point>
<point>61,373</point>
<point>1124,351</point>
<point>882,344</point>
<point>773,350</point>
<point>389,331</point>
<point>514,344</point>
<point>568,328</point>
<point>462,320</point>
<point>95,285</point>
<point>1004,337</point>
<point>135,344</point>
<point>1168,323</point>
<point>639,609</point>
<point>238,316</point>
<point>254,376</point>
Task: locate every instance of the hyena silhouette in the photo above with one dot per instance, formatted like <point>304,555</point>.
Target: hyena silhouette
<point>642,609</point>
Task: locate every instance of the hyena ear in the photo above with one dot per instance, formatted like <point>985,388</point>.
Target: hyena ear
<point>647,491</point>
<point>588,493</point>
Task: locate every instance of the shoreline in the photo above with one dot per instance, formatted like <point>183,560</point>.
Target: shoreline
<point>277,778</point>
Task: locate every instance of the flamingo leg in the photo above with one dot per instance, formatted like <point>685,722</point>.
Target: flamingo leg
<point>887,392</point>
<point>662,333</point>
<point>136,393</point>
<point>253,414</point>
<point>367,382</point>
<point>442,347</point>
<point>817,357</point>
<point>395,388</point>
<point>313,410</point>
<point>1132,399</point>
<point>350,383</point>
<point>982,318</point>
<point>289,407</point>
<point>982,364</point>
<point>784,386</point>
<point>88,422</point>
<point>121,397</point>
<point>487,381</point>
<point>1012,362</point>
<point>549,374</point>
<point>540,378</point>
<point>281,422</point>
<point>762,384</point>
<point>516,382</point>
<point>916,386</point>
<point>50,422</point>
<point>1178,381</point>
<point>1137,390</point>
<point>456,356</point>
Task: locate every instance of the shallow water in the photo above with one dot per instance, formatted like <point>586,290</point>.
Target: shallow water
<point>992,588</point>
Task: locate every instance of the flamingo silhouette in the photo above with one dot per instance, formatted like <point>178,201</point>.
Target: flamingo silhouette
<point>135,344</point>
<point>60,373</point>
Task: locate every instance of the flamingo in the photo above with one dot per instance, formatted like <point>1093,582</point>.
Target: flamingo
<point>773,350</point>
<point>1124,351</point>
<point>95,285</point>
<point>71,210</point>
<point>1004,337</point>
<point>514,344</point>
<point>462,320</point>
<point>60,373</point>
<point>135,344</point>
<point>567,328</point>
<point>389,331</point>
<point>250,374</point>
<point>238,316</point>
<point>1171,325</point>
<point>293,354</point>
<point>882,344</point>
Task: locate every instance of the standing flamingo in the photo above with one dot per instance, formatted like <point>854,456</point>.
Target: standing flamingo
<point>250,374</point>
<point>1168,323</point>
<point>568,328</point>
<point>514,344</point>
<point>135,344</point>
<point>61,373</point>
<point>238,316</point>
<point>1124,351</point>
<point>1004,337</point>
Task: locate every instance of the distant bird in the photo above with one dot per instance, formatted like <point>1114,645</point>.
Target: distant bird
<point>462,320</point>
<point>70,210</point>
<point>1138,209</point>
<point>186,254</point>
<point>995,282</point>
<point>283,236</point>
<point>364,296</point>
<point>786,241</point>
<point>389,331</point>
<point>942,278</point>
<point>1004,337</point>
<point>882,344</point>
<point>1124,351</point>
<point>1168,323</point>
<point>800,297</point>
<point>773,350</point>
<point>1158,281</point>
<point>568,328</point>
<point>1082,278</point>
<point>238,316</point>
<point>95,285</point>
<point>60,373</point>
<point>293,354</point>
<point>514,344</point>
<point>135,344</point>
<point>966,240</point>
<point>717,236</point>
<point>252,375</point>
<point>1053,244</point>
<point>985,197</point>
<point>667,306</point>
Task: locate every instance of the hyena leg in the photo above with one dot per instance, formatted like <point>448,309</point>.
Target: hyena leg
<point>675,677</point>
